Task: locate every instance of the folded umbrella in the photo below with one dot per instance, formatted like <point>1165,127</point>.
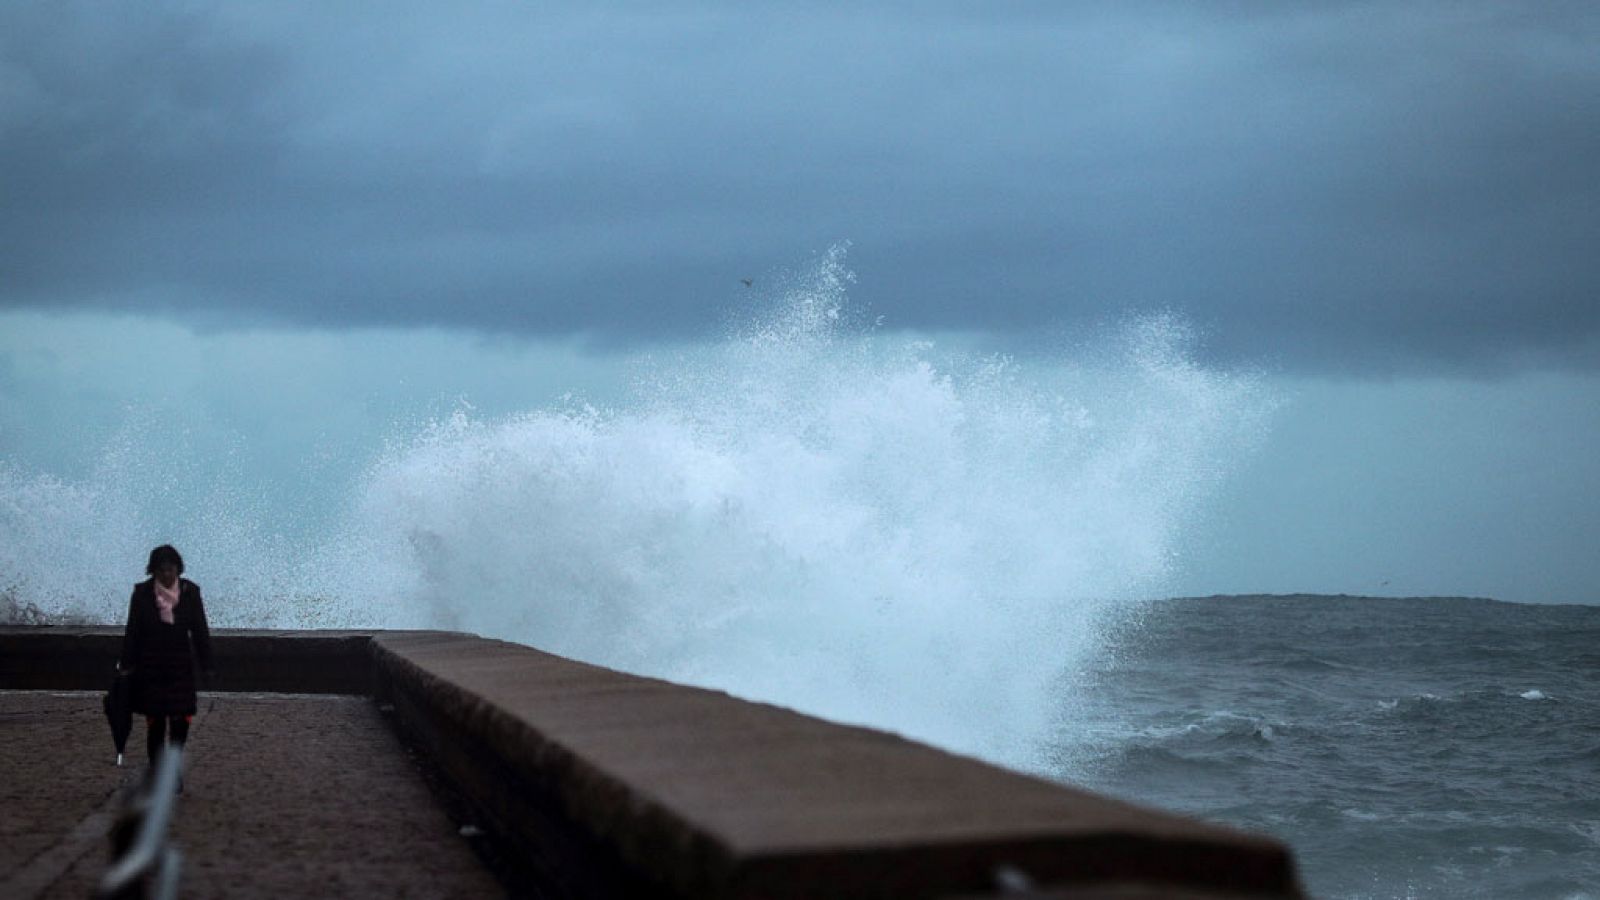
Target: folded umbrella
<point>118,704</point>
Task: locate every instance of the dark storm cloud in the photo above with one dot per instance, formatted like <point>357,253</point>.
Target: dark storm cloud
<point>1339,185</point>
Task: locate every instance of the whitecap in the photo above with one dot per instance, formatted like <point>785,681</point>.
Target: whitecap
<point>1533,695</point>
<point>1590,831</point>
<point>810,512</point>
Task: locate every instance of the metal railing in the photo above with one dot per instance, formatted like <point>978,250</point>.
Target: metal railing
<point>143,863</point>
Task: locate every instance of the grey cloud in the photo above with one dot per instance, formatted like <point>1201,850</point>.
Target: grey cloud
<point>1337,186</point>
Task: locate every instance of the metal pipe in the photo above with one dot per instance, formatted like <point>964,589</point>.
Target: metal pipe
<point>158,801</point>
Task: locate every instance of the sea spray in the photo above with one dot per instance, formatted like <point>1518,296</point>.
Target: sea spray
<point>70,550</point>
<point>812,511</point>
<point>815,514</point>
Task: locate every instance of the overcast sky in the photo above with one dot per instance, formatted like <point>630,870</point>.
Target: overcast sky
<point>1339,186</point>
<point>1399,201</point>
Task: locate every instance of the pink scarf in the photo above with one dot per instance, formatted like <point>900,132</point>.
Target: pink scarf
<point>167,598</point>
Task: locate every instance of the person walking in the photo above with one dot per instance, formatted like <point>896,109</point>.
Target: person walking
<point>166,634</point>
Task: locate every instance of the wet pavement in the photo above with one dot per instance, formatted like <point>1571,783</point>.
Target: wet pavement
<point>284,795</point>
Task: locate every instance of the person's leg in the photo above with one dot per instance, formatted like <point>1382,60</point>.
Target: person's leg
<point>180,733</point>
<point>180,729</point>
<point>155,736</point>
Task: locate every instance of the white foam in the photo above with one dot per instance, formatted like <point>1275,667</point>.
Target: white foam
<point>859,525</point>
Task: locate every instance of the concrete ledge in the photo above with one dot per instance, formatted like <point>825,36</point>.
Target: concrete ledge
<point>614,785</point>
<point>684,792</point>
<point>291,662</point>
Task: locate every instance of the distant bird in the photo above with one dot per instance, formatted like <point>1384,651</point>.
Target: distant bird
<point>746,282</point>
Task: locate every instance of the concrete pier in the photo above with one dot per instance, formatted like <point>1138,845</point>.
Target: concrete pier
<point>606,784</point>
<point>284,796</point>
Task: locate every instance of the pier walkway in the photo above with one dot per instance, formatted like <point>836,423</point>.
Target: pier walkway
<point>348,763</point>
<point>286,795</point>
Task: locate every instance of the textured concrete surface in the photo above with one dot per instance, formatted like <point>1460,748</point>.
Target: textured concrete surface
<point>710,796</point>
<point>59,788</point>
<point>284,796</point>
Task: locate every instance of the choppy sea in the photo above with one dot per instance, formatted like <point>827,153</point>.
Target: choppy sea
<point>1416,748</point>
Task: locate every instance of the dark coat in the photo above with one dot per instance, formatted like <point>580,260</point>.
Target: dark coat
<point>161,656</point>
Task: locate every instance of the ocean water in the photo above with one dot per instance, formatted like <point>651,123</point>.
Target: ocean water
<point>861,524</point>
<point>865,525</point>
<point>1430,747</point>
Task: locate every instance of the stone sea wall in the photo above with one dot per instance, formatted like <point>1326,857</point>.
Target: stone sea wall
<point>614,785</point>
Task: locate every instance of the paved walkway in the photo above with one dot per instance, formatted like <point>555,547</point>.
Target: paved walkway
<point>284,796</point>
